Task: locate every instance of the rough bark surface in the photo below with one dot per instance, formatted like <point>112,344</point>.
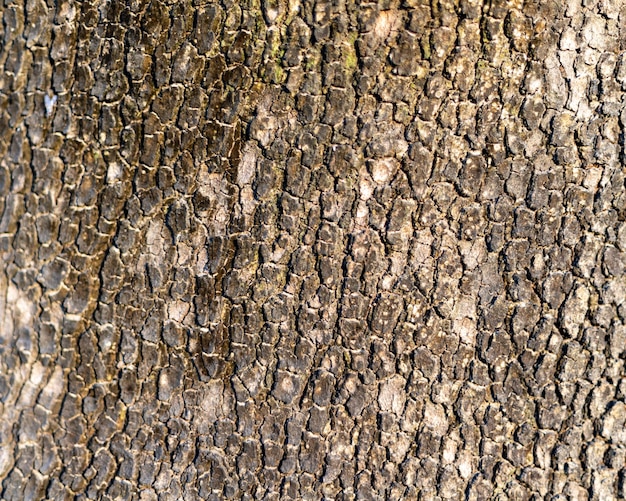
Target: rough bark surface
<point>312,250</point>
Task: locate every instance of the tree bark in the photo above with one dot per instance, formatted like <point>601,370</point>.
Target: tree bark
<point>297,249</point>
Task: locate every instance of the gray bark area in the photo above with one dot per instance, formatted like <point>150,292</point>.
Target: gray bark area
<point>312,250</point>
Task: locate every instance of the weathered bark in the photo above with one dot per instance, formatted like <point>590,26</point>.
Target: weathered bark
<point>312,250</point>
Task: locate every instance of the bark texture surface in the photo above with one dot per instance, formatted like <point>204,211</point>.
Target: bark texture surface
<point>312,250</point>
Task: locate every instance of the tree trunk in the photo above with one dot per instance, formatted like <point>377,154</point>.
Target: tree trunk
<point>297,249</point>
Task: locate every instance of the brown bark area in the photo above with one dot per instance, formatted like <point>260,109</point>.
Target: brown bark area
<point>312,250</point>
